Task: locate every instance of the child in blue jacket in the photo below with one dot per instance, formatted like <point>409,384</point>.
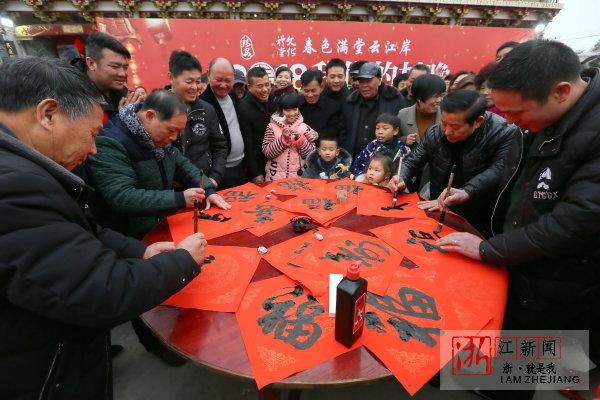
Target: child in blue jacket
<point>387,141</point>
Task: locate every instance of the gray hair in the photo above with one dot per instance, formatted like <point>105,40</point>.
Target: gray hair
<point>26,81</point>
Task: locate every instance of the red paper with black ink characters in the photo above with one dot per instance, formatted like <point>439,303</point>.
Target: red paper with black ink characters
<point>417,240</point>
<point>244,195</point>
<point>463,278</point>
<point>285,330</point>
<point>282,255</point>
<point>403,328</point>
<point>379,261</point>
<point>321,206</point>
<point>381,205</point>
<point>295,186</point>
<point>212,223</point>
<point>222,282</point>
<point>267,217</point>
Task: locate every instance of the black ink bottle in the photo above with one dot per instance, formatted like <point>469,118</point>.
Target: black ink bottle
<point>351,300</point>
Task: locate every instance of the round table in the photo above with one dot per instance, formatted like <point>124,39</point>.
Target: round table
<point>213,339</point>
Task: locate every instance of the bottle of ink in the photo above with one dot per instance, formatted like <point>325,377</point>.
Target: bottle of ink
<point>350,306</point>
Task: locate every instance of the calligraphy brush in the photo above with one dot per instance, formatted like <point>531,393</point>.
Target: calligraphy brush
<point>195,216</point>
<point>396,192</point>
<point>202,187</point>
<point>443,214</point>
<point>197,205</point>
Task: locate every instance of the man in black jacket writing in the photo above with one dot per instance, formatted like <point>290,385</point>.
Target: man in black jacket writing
<point>546,222</point>
<point>476,142</point>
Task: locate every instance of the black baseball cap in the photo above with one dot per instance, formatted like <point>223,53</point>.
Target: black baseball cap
<point>355,66</point>
<point>369,70</point>
<point>238,77</point>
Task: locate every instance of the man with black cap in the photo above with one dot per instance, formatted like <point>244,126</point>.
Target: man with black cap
<point>353,72</point>
<point>364,105</point>
<point>239,83</point>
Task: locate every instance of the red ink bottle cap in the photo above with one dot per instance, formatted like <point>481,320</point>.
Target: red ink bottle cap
<point>353,272</point>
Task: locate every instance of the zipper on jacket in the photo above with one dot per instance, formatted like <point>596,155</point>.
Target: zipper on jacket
<point>57,353</point>
<point>545,143</point>
<point>507,184</point>
<point>163,174</point>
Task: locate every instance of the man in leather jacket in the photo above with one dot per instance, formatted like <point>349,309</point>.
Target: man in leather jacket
<point>476,143</point>
<point>546,221</point>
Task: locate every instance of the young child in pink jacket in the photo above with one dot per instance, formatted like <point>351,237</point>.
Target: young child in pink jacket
<point>288,140</point>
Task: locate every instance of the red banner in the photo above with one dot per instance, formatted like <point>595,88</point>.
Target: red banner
<point>304,44</point>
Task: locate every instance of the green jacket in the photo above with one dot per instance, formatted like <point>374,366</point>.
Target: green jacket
<point>133,189</point>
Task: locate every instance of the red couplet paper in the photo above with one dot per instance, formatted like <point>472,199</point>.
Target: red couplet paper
<point>403,328</point>
<point>281,256</point>
<point>295,186</point>
<point>379,261</point>
<point>267,217</point>
<point>244,195</point>
<point>462,277</point>
<point>285,330</point>
<point>212,223</point>
<point>320,206</point>
<point>416,239</point>
<point>221,284</point>
<point>381,205</point>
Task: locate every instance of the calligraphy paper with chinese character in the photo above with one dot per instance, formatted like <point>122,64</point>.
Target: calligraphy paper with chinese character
<point>464,278</point>
<point>267,217</point>
<point>416,239</point>
<point>281,256</point>
<point>244,195</point>
<point>212,223</point>
<point>403,328</point>
<point>221,284</point>
<point>285,330</point>
<point>381,205</point>
<point>379,261</point>
<point>320,206</point>
<point>295,186</point>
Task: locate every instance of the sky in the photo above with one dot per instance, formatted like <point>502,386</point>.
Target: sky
<point>577,24</point>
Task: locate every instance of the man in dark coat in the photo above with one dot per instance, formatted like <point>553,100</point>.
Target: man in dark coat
<point>335,78</point>
<point>221,96</point>
<point>319,112</point>
<point>476,142</point>
<point>202,140</point>
<point>364,105</point>
<point>546,226</point>
<point>256,109</point>
<point>105,64</point>
<point>65,281</point>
